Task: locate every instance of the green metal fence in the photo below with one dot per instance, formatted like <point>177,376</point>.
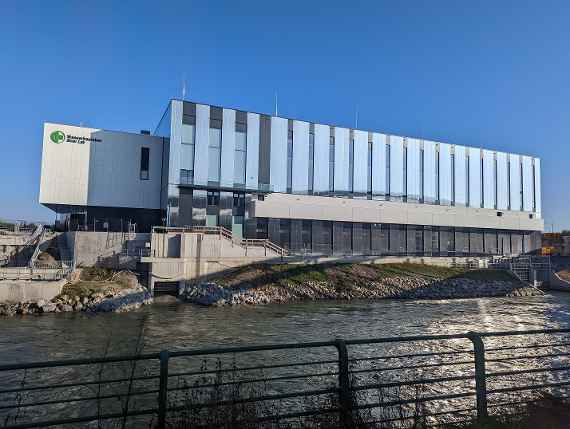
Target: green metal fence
<point>378,382</point>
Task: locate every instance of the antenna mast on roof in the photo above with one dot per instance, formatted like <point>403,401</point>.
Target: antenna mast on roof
<point>356,118</point>
<point>184,87</point>
<point>276,114</point>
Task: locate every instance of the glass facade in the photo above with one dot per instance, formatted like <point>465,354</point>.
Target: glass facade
<point>223,158</point>
<point>214,151</point>
<point>240,158</point>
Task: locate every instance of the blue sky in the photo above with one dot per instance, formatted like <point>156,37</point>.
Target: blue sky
<point>486,73</point>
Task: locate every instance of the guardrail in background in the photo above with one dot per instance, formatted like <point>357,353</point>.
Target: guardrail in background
<point>433,379</point>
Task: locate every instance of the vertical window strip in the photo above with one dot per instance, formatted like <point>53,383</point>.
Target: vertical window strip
<point>437,193</point>
<point>482,184</point>
<point>508,182</point>
<point>310,185</point>
<point>522,187</point>
<point>388,169</point>
<point>496,177</point>
<point>289,161</point>
<point>422,174</point>
<point>405,168</point>
<point>331,163</point>
<point>369,170</point>
<point>452,179</point>
<point>351,166</point>
<point>533,187</point>
<point>145,163</point>
<point>467,178</point>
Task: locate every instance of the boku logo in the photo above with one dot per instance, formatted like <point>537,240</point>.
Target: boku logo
<point>57,137</point>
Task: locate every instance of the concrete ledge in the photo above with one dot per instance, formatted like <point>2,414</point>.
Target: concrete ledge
<point>29,291</point>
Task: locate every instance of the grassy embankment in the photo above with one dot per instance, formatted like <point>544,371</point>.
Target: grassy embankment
<point>94,280</point>
<point>346,275</point>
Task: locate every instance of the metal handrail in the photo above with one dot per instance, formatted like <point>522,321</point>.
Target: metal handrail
<point>345,386</point>
<point>225,233</point>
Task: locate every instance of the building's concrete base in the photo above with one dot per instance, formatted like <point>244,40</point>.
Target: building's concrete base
<point>12,291</point>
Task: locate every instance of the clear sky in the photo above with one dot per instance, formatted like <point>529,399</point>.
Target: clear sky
<point>484,73</point>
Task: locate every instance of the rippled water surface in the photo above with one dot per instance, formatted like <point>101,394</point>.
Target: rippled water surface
<point>173,325</point>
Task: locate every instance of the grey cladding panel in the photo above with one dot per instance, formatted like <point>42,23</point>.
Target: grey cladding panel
<point>264,149</point>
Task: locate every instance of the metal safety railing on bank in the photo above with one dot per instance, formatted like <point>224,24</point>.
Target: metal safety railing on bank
<point>379,382</point>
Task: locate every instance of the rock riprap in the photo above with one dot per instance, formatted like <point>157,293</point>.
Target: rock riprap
<point>396,287</point>
<point>117,300</point>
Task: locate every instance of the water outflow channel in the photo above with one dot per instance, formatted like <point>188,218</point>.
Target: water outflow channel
<point>178,326</point>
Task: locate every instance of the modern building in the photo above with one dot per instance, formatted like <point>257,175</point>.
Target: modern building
<point>309,187</point>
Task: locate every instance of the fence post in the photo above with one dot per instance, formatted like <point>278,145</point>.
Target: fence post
<point>344,384</point>
<point>480,376</point>
<point>163,389</point>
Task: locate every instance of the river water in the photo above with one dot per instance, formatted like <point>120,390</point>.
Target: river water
<point>175,325</point>
<point>169,324</point>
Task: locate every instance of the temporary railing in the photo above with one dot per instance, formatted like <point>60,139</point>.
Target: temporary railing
<point>433,379</point>
<point>227,234</point>
<point>527,268</point>
<point>56,270</point>
<point>37,250</point>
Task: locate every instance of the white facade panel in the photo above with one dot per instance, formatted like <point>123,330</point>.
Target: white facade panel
<point>252,152</point>
<point>445,174</point>
<point>460,174</point>
<point>93,167</point>
<point>201,145</point>
<point>475,177</point>
<point>175,142</point>
<point>60,184</point>
<point>488,179</point>
<point>228,147</point>
<point>537,192</point>
<point>378,165</point>
<point>413,170</point>
<point>360,159</point>
<point>321,159</point>
<point>396,166</point>
<point>430,175</point>
<point>528,183</point>
<point>502,181</point>
<point>515,179</point>
<point>278,157</point>
<point>300,170</point>
<point>341,158</point>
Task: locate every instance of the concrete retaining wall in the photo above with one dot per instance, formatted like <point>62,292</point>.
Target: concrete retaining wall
<point>94,248</point>
<point>29,291</point>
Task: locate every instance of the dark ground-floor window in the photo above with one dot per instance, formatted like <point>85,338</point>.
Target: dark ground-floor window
<point>347,238</point>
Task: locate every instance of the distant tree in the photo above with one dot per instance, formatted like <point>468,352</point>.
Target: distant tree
<point>565,232</point>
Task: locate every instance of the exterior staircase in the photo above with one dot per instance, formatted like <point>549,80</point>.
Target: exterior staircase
<point>268,246</point>
<point>529,269</point>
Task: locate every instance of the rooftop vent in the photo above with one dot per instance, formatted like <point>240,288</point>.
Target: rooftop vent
<point>145,132</point>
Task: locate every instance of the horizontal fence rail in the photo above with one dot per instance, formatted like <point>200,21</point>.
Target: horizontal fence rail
<point>406,381</point>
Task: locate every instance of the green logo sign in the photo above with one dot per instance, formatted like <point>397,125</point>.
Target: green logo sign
<point>57,137</point>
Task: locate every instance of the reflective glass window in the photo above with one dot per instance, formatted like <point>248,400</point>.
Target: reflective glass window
<point>214,155</point>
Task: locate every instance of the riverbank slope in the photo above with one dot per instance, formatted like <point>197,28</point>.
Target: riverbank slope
<point>264,284</point>
<point>90,289</point>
